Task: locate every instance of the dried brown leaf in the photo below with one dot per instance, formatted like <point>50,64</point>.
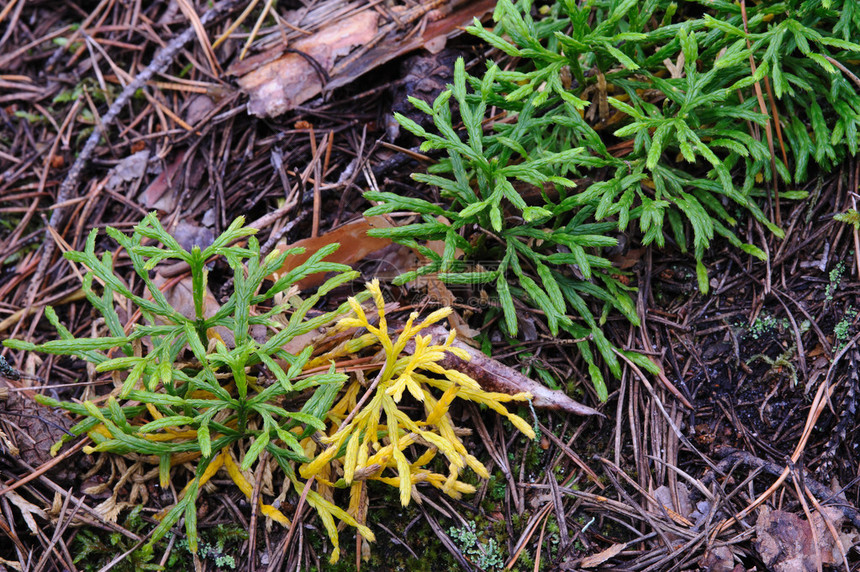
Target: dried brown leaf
<point>129,169</point>
<point>198,108</point>
<point>355,245</point>
<point>28,510</point>
<point>718,559</point>
<point>602,556</point>
<point>153,193</point>
<point>785,541</point>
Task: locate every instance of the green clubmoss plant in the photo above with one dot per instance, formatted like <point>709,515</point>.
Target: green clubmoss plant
<point>660,107</point>
<point>185,395</point>
<point>189,397</point>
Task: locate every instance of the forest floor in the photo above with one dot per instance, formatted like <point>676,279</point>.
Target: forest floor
<point>767,361</point>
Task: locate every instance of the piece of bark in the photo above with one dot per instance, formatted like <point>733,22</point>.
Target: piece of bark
<point>494,376</point>
<point>294,78</point>
<point>445,21</point>
<point>337,54</point>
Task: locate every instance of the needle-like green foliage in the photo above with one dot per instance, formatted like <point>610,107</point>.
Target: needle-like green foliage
<point>657,106</point>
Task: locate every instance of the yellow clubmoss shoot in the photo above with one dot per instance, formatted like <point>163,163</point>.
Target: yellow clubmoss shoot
<point>374,444</point>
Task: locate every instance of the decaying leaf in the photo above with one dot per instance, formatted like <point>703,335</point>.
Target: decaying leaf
<point>785,541</point>
<point>28,510</point>
<point>355,245</point>
<point>198,108</point>
<point>178,292</point>
<point>602,556</point>
<point>189,235</point>
<point>679,512</point>
<point>719,559</point>
<point>152,195</point>
<point>131,168</point>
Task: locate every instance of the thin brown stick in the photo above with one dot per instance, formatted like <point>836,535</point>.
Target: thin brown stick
<point>540,543</point>
<point>315,220</point>
<point>527,534</point>
<point>845,70</point>
<point>327,159</point>
<point>293,526</point>
<point>11,486</point>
